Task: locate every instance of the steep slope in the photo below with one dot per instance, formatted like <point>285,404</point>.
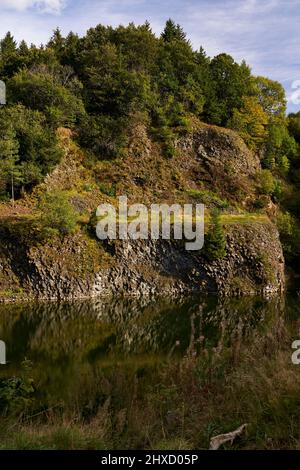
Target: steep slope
<point>211,165</point>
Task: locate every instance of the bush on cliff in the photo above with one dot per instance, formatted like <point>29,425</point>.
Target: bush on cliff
<point>215,241</point>
<point>57,214</point>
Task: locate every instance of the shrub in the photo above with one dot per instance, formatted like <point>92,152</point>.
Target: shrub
<point>285,223</point>
<point>267,182</point>
<point>277,193</point>
<point>108,189</point>
<point>215,241</point>
<point>57,214</point>
<point>289,235</point>
<point>16,393</point>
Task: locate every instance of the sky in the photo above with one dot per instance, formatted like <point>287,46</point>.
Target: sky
<point>265,33</point>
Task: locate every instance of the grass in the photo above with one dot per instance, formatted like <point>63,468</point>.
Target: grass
<point>209,198</point>
<point>226,219</point>
<point>64,436</point>
<point>245,218</point>
<point>12,293</point>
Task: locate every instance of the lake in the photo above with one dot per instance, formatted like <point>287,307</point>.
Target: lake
<point>67,345</point>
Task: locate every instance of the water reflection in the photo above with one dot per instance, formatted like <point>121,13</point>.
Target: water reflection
<point>66,340</point>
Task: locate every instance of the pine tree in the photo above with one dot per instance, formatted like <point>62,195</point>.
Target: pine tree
<point>23,48</point>
<point>173,32</point>
<point>7,45</point>
<point>57,42</point>
<point>9,172</point>
<point>215,241</point>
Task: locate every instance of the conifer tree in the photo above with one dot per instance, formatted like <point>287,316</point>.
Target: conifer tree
<point>215,241</point>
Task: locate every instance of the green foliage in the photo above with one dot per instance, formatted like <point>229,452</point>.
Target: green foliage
<point>285,223</point>
<point>294,125</point>
<point>28,148</point>
<point>98,82</point>
<point>97,85</point>
<point>51,90</point>
<point>108,189</point>
<point>209,198</point>
<point>57,216</point>
<point>9,156</point>
<point>271,96</point>
<point>289,231</point>
<point>16,393</point>
<point>173,32</point>
<point>167,138</point>
<point>92,223</point>
<point>103,135</point>
<point>215,241</point>
<point>281,147</point>
<point>250,122</point>
<point>267,182</point>
<point>269,185</point>
<point>230,82</point>
<point>278,191</point>
<point>8,46</point>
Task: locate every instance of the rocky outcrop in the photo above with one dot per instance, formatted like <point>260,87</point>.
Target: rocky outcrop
<point>56,270</point>
<point>219,149</point>
<point>220,159</point>
<point>208,158</point>
<point>254,264</point>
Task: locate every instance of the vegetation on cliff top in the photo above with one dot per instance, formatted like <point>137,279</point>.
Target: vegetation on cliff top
<point>99,83</point>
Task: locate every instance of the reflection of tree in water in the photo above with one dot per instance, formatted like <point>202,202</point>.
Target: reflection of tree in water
<point>53,330</point>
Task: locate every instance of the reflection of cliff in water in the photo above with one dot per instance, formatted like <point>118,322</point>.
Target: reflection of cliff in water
<point>158,326</point>
<point>93,330</point>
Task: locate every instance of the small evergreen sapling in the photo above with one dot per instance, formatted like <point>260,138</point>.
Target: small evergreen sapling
<point>215,241</point>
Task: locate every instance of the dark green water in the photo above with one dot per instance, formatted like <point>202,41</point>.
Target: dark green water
<point>70,344</point>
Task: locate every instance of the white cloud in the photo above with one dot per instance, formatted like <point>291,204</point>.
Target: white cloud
<point>44,6</point>
<point>264,32</point>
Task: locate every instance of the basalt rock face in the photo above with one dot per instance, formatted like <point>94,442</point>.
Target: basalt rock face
<point>207,159</point>
<point>254,264</point>
<point>51,271</point>
<point>220,149</point>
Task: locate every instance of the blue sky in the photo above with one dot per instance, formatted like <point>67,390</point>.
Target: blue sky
<point>263,32</point>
